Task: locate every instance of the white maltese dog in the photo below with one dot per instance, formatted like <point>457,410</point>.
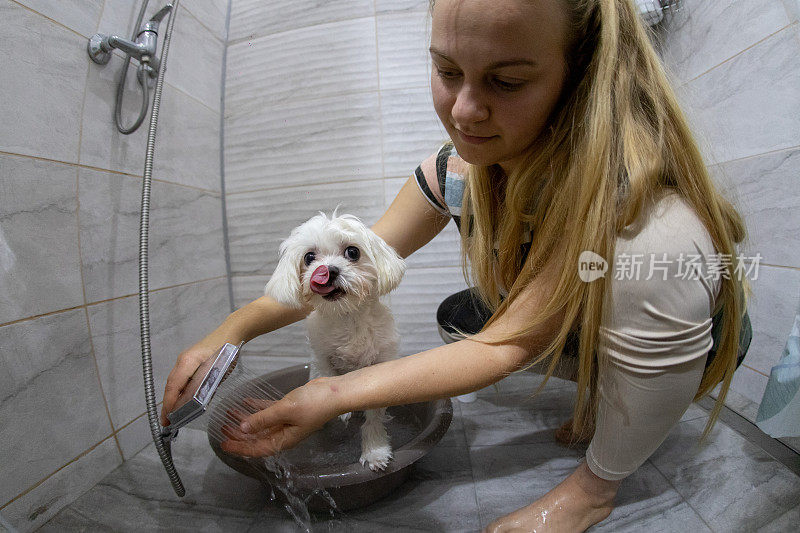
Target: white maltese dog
<point>340,267</point>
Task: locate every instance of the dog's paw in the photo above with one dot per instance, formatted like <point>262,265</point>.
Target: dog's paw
<point>345,418</point>
<point>377,458</point>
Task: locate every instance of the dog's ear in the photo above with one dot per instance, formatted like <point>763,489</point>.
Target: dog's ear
<point>390,266</point>
<point>284,285</point>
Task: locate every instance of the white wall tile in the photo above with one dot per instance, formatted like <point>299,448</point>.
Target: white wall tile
<point>195,60</point>
<point>51,408</point>
<point>188,143</point>
<point>251,19</point>
<point>185,234</point>
<point>411,130</point>
<point>705,34</point>
<point>415,302</point>
<point>248,288</point>
<point>260,220</point>
<point>328,59</point>
<point>78,15</point>
<point>403,58</point>
<point>179,318</point>
<point>303,142</point>
<point>289,341</point>
<point>136,435</point>
<point>394,6</point>
<point>749,384</point>
<point>210,13</point>
<point>32,510</point>
<point>792,9</point>
<point>776,299</point>
<point>102,145</point>
<point>43,82</point>
<point>765,189</point>
<point>750,105</point>
<point>39,260</point>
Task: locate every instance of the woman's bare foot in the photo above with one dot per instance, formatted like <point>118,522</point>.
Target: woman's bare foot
<point>576,504</point>
<point>564,435</point>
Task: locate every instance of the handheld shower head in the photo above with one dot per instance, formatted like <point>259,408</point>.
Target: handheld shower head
<point>198,393</point>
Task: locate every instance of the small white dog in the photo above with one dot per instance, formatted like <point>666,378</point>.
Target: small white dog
<point>340,267</point>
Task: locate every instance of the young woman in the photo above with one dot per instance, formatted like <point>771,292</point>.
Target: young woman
<point>566,138</point>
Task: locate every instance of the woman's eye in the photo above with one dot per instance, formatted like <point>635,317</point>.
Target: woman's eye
<point>506,85</point>
<point>352,253</point>
<point>447,74</point>
<point>309,258</point>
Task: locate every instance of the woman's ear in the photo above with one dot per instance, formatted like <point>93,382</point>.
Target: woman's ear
<point>284,285</point>
<point>390,266</point>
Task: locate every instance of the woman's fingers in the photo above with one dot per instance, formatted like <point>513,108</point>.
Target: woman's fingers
<point>261,444</point>
<point>176,382</point>
<point>262,420</point>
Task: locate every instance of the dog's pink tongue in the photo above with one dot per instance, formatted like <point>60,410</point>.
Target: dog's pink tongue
<point>319,280</point>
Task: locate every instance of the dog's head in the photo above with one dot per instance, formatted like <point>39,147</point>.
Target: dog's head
<point>334,263</point>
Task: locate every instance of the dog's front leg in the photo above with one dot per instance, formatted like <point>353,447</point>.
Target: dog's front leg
<point>376,452</point>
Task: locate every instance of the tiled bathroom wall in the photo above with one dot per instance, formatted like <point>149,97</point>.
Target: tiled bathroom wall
<point>738,66</point>
<point>328,105</point>
<point>71,397</point>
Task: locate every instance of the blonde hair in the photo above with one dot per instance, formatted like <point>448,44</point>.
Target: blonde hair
<point>616,140</point>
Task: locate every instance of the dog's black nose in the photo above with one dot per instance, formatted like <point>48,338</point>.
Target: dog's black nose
<point>333,272</point>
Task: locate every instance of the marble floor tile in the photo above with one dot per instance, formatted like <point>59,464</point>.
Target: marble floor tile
<point>784,522</point>
<point>730,482</point>
<point>694,411</point>
<point>512,476</point>
<point>457,487</point>
<point>514,416</point>
<point>647,502</point>
<point>455,435</point>
<point>138,496</point>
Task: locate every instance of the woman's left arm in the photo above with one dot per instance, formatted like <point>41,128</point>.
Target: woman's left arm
<point>441,372</point>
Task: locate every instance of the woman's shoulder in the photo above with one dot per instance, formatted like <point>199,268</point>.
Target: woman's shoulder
<point>666,260</point>
<point>665,283</point>
<point>440,178</point>
<point>669,225</point>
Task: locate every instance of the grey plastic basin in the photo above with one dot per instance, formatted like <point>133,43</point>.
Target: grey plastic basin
<point>329,459</point>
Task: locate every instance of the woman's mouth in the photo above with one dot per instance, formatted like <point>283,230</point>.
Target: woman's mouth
<point>474,139</point>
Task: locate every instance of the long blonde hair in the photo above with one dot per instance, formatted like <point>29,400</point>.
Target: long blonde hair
<point>615,141</point>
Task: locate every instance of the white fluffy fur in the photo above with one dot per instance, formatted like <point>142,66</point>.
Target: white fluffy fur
<point>354,330</point>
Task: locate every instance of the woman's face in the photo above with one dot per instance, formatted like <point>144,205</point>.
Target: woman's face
<point>498,68</point>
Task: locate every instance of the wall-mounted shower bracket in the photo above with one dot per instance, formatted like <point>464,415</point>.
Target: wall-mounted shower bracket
<point>143,48</point>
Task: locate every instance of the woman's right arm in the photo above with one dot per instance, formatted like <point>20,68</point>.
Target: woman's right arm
<point>408,224</point>
<point>256,318</point>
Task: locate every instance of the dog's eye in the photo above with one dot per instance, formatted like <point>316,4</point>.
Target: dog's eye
<point>352,253</point>
<point>309,258</point>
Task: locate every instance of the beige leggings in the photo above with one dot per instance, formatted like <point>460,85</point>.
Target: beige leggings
<point>637,409</point>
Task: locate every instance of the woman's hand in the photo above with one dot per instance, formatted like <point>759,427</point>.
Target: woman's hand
<point>184,368</point>
<point>286,422</point>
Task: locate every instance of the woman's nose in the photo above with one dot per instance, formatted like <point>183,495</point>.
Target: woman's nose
<point>469,106</point>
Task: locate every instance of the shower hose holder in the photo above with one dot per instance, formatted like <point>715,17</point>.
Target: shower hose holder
<point>143,48</point>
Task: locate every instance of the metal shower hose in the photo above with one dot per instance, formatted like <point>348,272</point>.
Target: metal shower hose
<point>163,448</point>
